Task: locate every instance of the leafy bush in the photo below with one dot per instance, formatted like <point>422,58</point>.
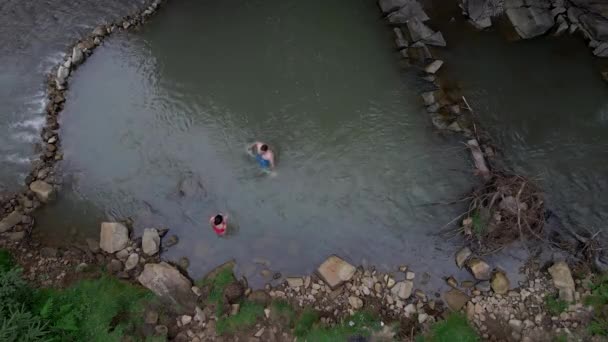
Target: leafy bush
<point>361,324</point>
<point>19,325</point>
<point>283,311</point>
<point>246,318</point>
<point>454,328</point>
<point>555,306</point>
<point>216,285</point>
<point>6,260</point>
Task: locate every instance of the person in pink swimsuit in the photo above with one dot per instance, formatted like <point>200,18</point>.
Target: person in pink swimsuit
<point>219,223</point>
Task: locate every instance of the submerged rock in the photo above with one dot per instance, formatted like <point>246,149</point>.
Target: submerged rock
<point>334,271</point>
<point>462,256</point>
<point>168,283</point>
<point>562,280</point>
<point>43,190</point>
<point>114,237</point>
<point>500,282</point>
<point>530,22</point>
<point>479,269</point>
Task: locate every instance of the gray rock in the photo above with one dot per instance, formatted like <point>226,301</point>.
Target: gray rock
<point>150,242</point>
<point>16,236</point>
<point>562,280</point>
<point>62,74</point>
<point>434,66</point>
<point>168,283</point>
<point>161,330</point>
<point>462,256</point>
<point>483,286</point>
<point>436,39</point>
<point>455,299</point>
<point>530,22</point>
<point>481,24</point>
<point>99,31</point>
<point>400,41</point>
<point>562,26</point>
<point>418,30</point>
<point>601,50</point>
<point>77,55</point>
<point>412,10</point>
<point>123,254</point>
<point>115,266</point>
<point>114,237</point>
<point>538,3</point>
<point>43,190</point>
<point>334,271</point>
<point>151,317</point>
<point>557,11</point>
<point>388,6</point>
<point>355,302</point>
<point>513,3</point>
<point>403,289</point>
<point>93,245</point>
<point>131,262</point>
<point>479,269</point>
<point>295,281</point>
<point>479,12</point>
<point>10,221</point>
<point>48,252</point>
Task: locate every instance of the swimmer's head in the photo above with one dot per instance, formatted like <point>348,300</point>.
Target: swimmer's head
<point>218,219</point>
<point>264,148</point>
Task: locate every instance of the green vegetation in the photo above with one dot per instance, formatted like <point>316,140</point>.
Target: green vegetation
<point>104,309</point>
<point>245,319</point>
<point>599,301</point>
<point>561,338</point>
<point>454,328</point>
<point>305,322</point>
<point>479,223</point>
<point>282,311</point>
<point>555,306</point>
<point>216,286</point>
<point>360,324</point>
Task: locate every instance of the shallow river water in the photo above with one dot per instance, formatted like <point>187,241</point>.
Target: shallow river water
<point>359,164</point>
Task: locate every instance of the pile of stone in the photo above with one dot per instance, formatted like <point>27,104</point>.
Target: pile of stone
<point>533,18</point>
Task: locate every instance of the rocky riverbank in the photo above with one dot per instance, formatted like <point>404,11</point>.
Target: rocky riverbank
<point>497,308</point>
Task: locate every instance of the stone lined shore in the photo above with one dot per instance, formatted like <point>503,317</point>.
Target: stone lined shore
<point>498,309</point>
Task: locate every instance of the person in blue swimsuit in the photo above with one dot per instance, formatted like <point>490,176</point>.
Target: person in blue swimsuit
<point>263,155</point>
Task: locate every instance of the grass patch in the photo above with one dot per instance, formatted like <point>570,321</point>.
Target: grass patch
<point>103,309</point>
<point>6,260</point>
<point>361,324</point>
<point>454,328</point>
<point>555,306</point>
<point>216,286</point>
<point>283,311</point>
<point>304,324</point>
<point>599,301</point>
<point>479,223</point>
<point>248,315</point>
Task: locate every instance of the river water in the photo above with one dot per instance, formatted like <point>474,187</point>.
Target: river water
<point>361,171</point>
<point>34,34</point>
<point>359,164</point>
<point>545,107</point>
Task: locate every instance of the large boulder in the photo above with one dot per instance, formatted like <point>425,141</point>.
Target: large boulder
<point>601,50</point>
<point>169,284</point>
<point>479,269</point>
<point>479,12</point>
<point>530,22</point>
<point>114,237</point>
<point>500,283</point>
<point>562,280</point>
<point>335,271</point>
<point>150,242</point>
<point>10,221</point>
<point>412,10</point>
<point>418,30</point>
<point>43,190</point>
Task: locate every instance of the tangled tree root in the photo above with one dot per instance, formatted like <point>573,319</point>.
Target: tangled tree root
<point>505,209</point>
